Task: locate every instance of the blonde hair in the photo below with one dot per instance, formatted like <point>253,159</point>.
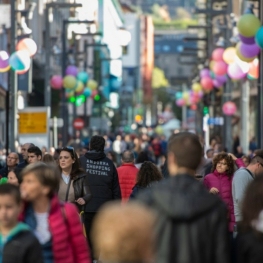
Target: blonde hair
<point>124,233</point>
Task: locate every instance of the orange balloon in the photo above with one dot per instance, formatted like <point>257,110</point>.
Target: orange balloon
<point>27,44</point>
<point>229,55</point>
<point>254,69</point>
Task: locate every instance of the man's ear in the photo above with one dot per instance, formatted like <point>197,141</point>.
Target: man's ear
<point>39,157</point>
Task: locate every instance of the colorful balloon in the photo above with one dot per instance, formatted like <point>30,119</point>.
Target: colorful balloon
<point>235,72</point>
<point>247,40</point>
<point>20,60</point>
<point>222,79</point>
<point>4,61</point>
<point>83,76</point>
<point>207,83</point>
<point>92,84</point>
<point>69,82</point>
<point>217,54</point>
<point>56,82</point>
<point>72,71</point>
<point>253,72</point>
<point>248,51</point>
<point>229,108</point>
<point>241,57</point>
<point>229,55</point>
<point>217,83</point>
<point>180,102</point>
<point>220,68</point>
<point>248,25</point>
<point>196,87</point>
<point>259,37</point>
<point>27,44</point>
<point>87,92</point>
<point>79,87</point>
<point>204,73</point>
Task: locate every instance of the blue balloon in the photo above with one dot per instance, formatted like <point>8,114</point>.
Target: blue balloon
<point>87,92</point>
<point>259,37</point>
<point>83,77</point>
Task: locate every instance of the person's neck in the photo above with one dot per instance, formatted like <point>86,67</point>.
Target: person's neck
<point>41,205</point>
<point>5,230</point>
<point>11,167</point>
<point>127,163</point>
<point>66,171</point>
<point>251,169</point>
<point>182,170</point>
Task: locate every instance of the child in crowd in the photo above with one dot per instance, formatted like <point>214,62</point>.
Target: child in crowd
<point>17,243</point>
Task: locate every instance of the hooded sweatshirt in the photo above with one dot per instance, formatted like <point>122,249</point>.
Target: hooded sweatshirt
<point>20,246</point>
<point>102,179</point>
<point>191,224</point>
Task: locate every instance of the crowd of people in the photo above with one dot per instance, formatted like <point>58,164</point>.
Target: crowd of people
<point>141,199</point>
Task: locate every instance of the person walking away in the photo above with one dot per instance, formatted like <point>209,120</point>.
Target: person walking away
<point>17,243</point>
<point>146,177</point>
<point>55,224</point>
<point>241,179</point>
<point>73,186</point>
<point>127,173</point>
<point>250,236</point>
<point>219,182</point>
<point>34,154</point>
<point>11,164</point>
<point>192,224</point>
<point>102,178</point>
<point>24,149</point>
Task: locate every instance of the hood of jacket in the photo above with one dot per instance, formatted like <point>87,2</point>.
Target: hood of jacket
<point>182,197</point>
<point>93,155</point>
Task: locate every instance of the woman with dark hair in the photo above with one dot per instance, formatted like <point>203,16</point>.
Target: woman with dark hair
<point>250,232</point>
<point>220,181</point>
<point>147,175</point>
<point>14,177</point>
<point>73,186</point>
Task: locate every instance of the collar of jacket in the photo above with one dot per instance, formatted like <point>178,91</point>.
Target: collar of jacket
<point>220,174</point>
<point>128,164</point>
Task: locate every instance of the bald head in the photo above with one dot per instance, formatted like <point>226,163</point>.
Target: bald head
<point>127,157</point>
<point>12,159</point>
<point>24,149</point>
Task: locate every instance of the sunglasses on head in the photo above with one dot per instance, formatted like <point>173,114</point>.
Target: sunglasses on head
<point>68,148</point>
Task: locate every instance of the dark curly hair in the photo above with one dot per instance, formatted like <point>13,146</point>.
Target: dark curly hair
<point>97,143</point>
<point>147,174</point>
<point>252,203</point>
<point>230,163</point>
<point>76,168</point>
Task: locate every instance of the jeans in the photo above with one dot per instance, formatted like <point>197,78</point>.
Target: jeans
<point>88,221</point>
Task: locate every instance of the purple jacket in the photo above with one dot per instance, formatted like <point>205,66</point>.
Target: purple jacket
<point>223,183</point>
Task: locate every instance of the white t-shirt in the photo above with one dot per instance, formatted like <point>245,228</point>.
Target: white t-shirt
<point>42,230</point>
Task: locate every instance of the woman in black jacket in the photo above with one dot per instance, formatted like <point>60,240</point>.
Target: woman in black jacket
<point>250,230</point>
<point>73,184</point>
<point>147,175</point>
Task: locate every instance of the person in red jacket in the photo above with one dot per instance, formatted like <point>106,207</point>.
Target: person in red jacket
<point>55,224</point>
<point>219,182</point>
<point>127,173</point>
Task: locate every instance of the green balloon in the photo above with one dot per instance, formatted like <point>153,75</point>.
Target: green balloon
<point>248,25</point>
<point>3,180</point>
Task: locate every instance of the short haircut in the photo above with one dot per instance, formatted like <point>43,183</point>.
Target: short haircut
<point>259,153</point>
<point>48,158</point>
<point>127,157</point>
<point>187,150</point>
<point>11,190</point>
<point>256,159</point>
<point>209,150</point>
<point>35,150</point>
<point>47,175</point>
<point>97,143</point>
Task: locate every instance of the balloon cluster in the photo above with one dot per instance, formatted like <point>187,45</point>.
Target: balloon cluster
<point>77,84</point>
<point>19,61</point>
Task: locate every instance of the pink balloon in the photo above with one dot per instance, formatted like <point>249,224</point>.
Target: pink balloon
<point>220,68</point>
<point>180,102</point>
<point>234,71</point>
<point>56,82</point>
<point>207,83</point>
<point>204,73</point>
<point>229,108</point>
<point>217,54</point>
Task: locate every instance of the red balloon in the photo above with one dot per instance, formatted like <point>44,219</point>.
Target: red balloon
<point>94,93</point>
<point>207,83</point>
<point>217,54</point>
<point>229,108</point>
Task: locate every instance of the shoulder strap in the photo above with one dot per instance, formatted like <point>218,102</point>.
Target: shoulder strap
<point>247,171</point>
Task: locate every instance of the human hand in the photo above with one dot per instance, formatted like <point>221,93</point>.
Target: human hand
<point>214,191</point>
<point>232,156</point>
<point>80,201</point>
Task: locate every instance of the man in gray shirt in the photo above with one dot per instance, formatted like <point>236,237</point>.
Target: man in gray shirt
<point>241,180</point>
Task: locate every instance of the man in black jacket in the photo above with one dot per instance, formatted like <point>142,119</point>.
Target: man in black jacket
<point>102,179</point>
<point>192,224</point>
<point>11,163</point>
<point>24,153</point>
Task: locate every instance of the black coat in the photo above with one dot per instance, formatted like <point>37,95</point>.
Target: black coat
<point>191,223</point>
<point>102,179</point>
<point>22,165</point>
<point>4,171</point>
<point>81,188</point>
<point>250,247</point>
<point>23,248</point>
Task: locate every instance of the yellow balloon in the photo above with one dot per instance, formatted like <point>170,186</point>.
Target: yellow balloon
<point>92,84</point>
<point>80,87</point>
<point>159,130</point>
<point>185,95</point>
<point>196,87</point>
<point>3,70</point>
<point>229,55</point>
<point>69,82</point>
<point>211,64</point>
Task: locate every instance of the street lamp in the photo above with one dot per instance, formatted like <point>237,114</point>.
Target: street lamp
<point>47,45</point>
